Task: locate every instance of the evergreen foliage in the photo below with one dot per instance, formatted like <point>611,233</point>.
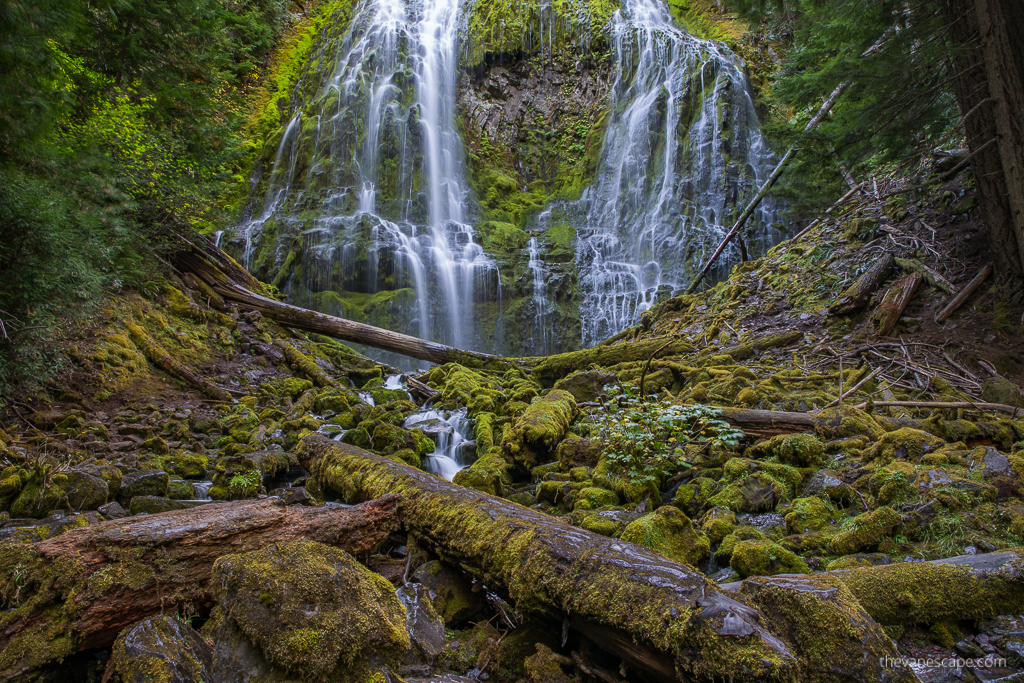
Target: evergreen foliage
<point>897,102</point>
<point>118,128</point>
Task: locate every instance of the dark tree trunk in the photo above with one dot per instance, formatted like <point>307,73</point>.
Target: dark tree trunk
<point>990,92</point>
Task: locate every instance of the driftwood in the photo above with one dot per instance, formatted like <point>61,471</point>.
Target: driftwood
<point>78,590</point>
<point>958,301</point>
<point>895,301</point>
<point>859,293</point>
<point>665,619</point>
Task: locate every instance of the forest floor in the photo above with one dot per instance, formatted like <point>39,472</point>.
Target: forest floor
<point>115,436</point>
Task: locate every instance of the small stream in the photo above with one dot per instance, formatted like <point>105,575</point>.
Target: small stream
<point>450,434</point>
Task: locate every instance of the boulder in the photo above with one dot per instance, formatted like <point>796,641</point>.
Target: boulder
<point>163,649</point>
<point>426,630</point>
<point>670,532</point>
<point>869,529</point>
<point>534,436</point>
<point>451,593</point>
<point>764,558</point>
<point>999,390</point>
<point>586,385</point>
<point>312,610</point>
<point>143,483</point>
<point>85,491</point>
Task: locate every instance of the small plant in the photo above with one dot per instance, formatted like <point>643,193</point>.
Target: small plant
<point>643,439</point>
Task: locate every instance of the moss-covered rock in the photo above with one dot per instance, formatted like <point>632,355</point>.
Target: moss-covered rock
<point>548,667</point>
<point>267,594</point>
<point>738,534</point>
<point>670,532</point>
<point>160,649</point>
<point>717,523</point>
<point>453,595</point>
<point>576,452</point>
<point>757,492</point>
<point>535,435</point>
<point>869,529</point>
<point>843,421</point>
<point>800,450</point>
<point>184,465</point>
<point>489,474</point>
<point>85,490</point>
<point>809,514</point>
<point>586,385</point>
<point>692,497</point>
<point>358,437</point>
<point>592,497</point>
<point>905,444</point>
<point>834,636</point>
<point>764,558</point>
<point>599,524</point>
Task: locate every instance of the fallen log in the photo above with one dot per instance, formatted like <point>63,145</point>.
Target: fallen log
<point>665,619</point>
<point>930,276</point>
<point>859,293</point>
<point>895,301</point>
<point>963,588</point>
<point>763,423</point>
<point>952,405</point>
<point>78,590</point>
<point>958,301</point>
<point>332,326</point>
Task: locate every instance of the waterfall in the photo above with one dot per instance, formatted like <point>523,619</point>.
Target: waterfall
<point>682,151</point>
<point>541,336</point>
<point>364,212</point>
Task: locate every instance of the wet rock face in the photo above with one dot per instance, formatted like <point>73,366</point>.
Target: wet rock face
<point>426,630</point>
<point>162,649</point>
<point>451,593</point>
<point>311,610</point>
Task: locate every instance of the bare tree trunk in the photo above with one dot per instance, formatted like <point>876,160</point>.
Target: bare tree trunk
<point>979,103</point>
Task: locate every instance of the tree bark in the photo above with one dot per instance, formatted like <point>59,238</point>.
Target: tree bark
<point>78,590</point>
<point>894,303</point>
<point>663,618</point>
<point>339,328</point>
<point>978,97</point>
<point>859,293</point>
<point>964,294</point>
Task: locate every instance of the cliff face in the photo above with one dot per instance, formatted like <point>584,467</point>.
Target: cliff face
<point>533,128</point>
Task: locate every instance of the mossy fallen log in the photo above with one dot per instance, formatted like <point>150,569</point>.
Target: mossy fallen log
<point>553,368</point>
<point>78,590</point>
<point>969,587</point>
<point>665,619</point>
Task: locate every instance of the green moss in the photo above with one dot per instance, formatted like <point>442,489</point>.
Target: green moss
<point>537,433</point>
<point>718,523</point>
<point>800,450</point>
<point>809,514</point>
<point>869,529</point>
<point>764,558</point>
<point>600,525</point>
<point>490,474</point>
<point>670,532</point>
<point>736,536</point>
<point>692,498</point>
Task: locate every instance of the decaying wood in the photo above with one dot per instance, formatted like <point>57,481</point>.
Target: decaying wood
<point>764,423</point>
<point>859,293</point>
<point>664,619</point>
<point>895,301</point>
<point>964,295</point>
<point>678,619</point>
<point>912,265</point>
<point>963,588</point>
<point>424,391</point>
<point>332,326</point>
<point>78,590</point>
<point>954,405</point>
<point>158,357</point>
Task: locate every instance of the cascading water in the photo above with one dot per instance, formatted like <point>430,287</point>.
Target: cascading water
<point>681,152</point>
<point>364,211</point>
<point>450,435</point>
<point>541,341</point>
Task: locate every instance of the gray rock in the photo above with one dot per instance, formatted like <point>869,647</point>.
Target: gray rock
<point>143,483</point>
<point>426,630</point>
<point>161,649</point>
<point>996,464</point>
<point>586,385</point>
<point>294,495</point>
<point>112,510</point>
<point>828,483</point>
